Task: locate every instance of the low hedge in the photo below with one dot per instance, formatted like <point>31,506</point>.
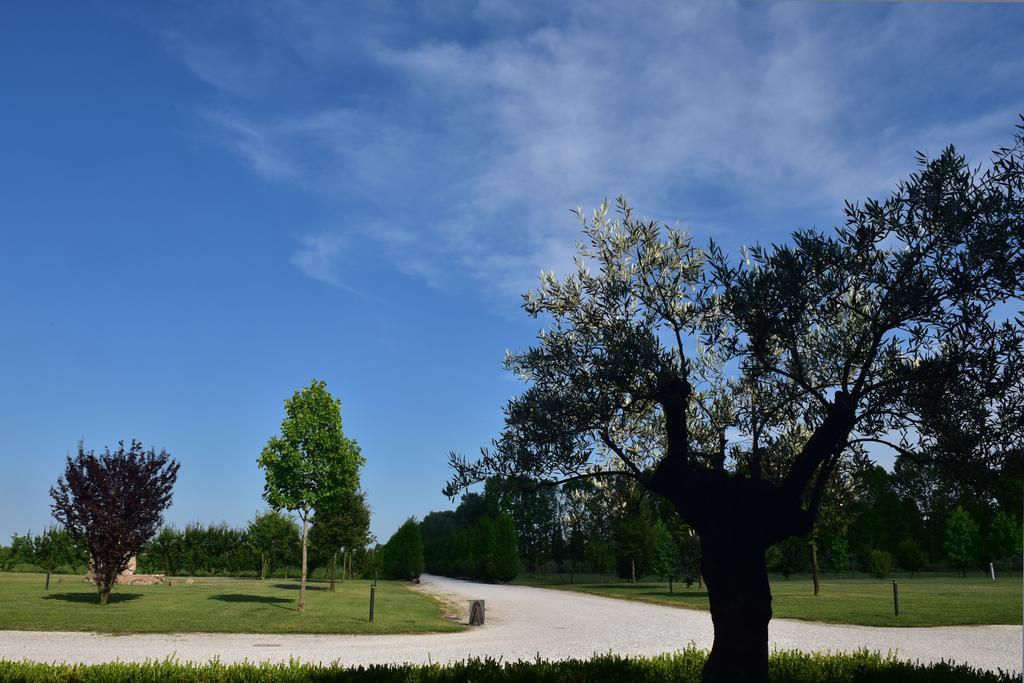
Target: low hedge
<point>786,667</point>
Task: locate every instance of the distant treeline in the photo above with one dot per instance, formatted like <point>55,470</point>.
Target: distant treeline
<point>270,545</point>
<point>915,518</point>
<point>471,542</point>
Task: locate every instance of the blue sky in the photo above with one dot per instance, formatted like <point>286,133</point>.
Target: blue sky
<point>205,205</point>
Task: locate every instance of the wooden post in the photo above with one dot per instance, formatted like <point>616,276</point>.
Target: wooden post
<point>476,613</point>
<point>896,598</point>
<point>373,595</point>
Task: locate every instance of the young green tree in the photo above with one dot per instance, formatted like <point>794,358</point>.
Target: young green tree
<point>665,555</point>
<point>403,553</point>
<point>275,537</point>
<point>310,462</point>
<point>862,334</point>
<point>113,503</point>
<point>1004,537</point>
<point>962,537</point>
<point>506,555</point>
<point>55,547</point>
<point>168,547</point>
<point>343,522</point>
<point>911,556</point>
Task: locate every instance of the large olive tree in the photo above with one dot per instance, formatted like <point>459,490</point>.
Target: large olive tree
<point>654,349</point>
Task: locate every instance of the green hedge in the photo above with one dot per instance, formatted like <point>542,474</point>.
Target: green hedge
<point>786,667</point>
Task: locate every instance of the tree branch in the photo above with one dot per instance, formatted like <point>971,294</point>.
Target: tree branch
<point>615,448</point>
<point>827,439</point>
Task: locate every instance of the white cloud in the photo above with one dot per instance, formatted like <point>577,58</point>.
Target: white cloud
<point>707,112</point>
<point>317,257</point>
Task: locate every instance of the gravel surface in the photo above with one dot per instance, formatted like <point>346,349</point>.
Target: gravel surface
<point>523,623</point>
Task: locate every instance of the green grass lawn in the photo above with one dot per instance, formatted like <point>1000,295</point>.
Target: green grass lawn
<point>216,605</point>
<point>924,601</point>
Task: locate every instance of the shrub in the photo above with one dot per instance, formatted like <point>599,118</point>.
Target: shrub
<point>69,569</point>
<point>879,563</point>
<point>684,667</point>
<point>27,568</point>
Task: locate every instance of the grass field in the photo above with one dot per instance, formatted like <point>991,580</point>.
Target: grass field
<point>924,601</point>
<point>216,605</point>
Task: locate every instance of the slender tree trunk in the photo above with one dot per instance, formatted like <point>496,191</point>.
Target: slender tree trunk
<point>334,565</point>
<point>302,582</point>
<point>740,597</point>
<point>632,571</point>
<point>815,573</point>
<point>264,565</point>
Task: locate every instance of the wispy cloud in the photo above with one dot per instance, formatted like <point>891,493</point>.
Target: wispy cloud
<point>473,136</point>
<point>317,257</point>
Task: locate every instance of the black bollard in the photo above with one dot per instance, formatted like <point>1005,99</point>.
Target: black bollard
<point>896,598</point>
<point>373,595</point>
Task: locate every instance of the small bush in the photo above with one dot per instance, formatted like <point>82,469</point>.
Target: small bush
<point>879,563</point>
<point>26,568</point>
<point>69,569</point>
<point>684,666</point>
<point>247,574</point>
<point>285,573</point>
<point>200,573</point>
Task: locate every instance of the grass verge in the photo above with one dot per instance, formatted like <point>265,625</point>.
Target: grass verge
<point>216,605</point>
<point>924,601</point>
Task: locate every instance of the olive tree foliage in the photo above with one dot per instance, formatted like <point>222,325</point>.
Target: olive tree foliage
<point>311,462</point>
<point>113,503</point>
<point>685,370</point>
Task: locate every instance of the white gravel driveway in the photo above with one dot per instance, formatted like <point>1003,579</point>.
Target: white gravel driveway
<point>523,623</point>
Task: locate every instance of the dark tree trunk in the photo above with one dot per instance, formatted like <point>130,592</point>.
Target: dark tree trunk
<point>815,572</point>
<point>737,520</point>
<point>104,590</point>
<point>736,577</point>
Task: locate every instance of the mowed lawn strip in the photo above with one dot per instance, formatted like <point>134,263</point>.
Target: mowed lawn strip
<point>216,605</point>
<point>924,601</point>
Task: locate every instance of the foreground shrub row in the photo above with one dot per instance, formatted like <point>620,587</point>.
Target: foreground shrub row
<point>786,667</point>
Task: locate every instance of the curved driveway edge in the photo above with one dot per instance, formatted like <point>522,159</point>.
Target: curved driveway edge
<point>523,623</point>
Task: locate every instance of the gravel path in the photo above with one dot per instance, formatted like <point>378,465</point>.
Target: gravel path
<point>523,623</point>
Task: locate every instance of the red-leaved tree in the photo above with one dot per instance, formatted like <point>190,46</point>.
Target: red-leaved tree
<point>114,503</point>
